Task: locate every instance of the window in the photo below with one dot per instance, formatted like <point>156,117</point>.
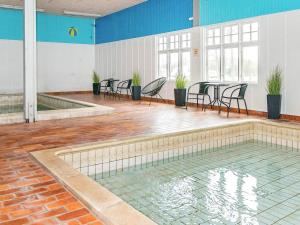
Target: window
<point>250,32</point>
<point>174,55</point>
<point>214,36</point>
<point>232,53</point>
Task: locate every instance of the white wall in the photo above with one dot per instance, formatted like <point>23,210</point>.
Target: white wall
<point>11,66</point>
<point>65,67</point>
<point>61,67</point>
<point>120,59</point>
<point>279,45</point>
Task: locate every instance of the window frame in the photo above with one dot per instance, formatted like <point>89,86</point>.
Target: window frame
<point>222,46</point>
<point>178,50</point>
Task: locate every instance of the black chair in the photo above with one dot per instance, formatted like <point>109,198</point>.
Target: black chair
<point>200,95</point>
<point>236,92</point>
<point>105,85</point>
<point>124,85</point>
<point>152,89</point>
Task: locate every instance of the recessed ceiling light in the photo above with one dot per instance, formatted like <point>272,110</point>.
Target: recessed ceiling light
<point>81,14</point>
<point>17,7</point>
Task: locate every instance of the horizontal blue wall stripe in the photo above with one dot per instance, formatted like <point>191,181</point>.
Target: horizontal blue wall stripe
<point>219,11</point>
<point>11,24</point>
<point>50,28</point>
<point>55,28</point>
<point>148,18</point>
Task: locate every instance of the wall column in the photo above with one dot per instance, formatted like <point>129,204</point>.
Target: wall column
<point>30,66</point>
<point>196,13</point>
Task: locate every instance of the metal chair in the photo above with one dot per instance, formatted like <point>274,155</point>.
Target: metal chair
<point>152,89</point>
<point>105,85</point>
<point>124,85</point>
<point>200,95</point>
<point>237,93</point>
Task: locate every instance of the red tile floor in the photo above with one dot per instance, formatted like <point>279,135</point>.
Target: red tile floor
<point>31,195</point>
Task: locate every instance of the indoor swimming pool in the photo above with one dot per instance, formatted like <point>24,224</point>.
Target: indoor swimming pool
<point>245,173</point>
<point>249,183</point>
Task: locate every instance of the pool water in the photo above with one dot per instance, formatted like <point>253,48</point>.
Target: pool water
<point>19,108</point>
<point>249,183</point>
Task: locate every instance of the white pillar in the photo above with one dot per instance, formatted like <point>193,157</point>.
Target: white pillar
<point>196,13</point>
<point>30,71</point>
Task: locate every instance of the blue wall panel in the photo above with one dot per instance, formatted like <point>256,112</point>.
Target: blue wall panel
<point>50,28</point>
<point>151,17</point>
<point>11,24</point>
<point>218,11</point>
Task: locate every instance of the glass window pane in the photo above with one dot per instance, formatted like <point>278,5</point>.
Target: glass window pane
<point>231,64</point>
<point>210,33</point>
<point>174,65</point>
<point>246,28</point>
<point>172,46</point>
<point>254,27</point>
<point>210,41</point>
<point>235,38</point>
<point>186,64</point>
<point>254,36</point>
<point>227,39</point>
<point>227,30</point>
<point>217,32</point>
<point>235,29</point>
<point>163,65</point>
<point>213,64</point>
<point>250,64</point>
<point>246,37</point>
<point>217,40</point>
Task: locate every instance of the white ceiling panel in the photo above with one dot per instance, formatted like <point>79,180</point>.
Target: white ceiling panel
<point>99,7</point>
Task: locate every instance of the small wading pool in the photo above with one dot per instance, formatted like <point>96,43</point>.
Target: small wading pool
<point>243,173</point>
<point>4,109</point>
<point>49,107</point>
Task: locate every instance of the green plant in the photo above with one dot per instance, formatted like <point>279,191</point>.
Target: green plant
<point>136,79</point>
<point>274,83</point>
<point>96,78</point>
<point>181,81</point>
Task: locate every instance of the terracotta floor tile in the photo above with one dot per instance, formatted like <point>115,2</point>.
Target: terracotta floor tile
<point>74,214</point>
<point>26,185</point>
<point>87,219</point>
<point>51,213</point>
<point>16,222</point>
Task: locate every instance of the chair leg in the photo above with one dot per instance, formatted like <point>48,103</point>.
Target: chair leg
<point>238,103</point>
<point>197,101</point>
<point>246,106</point>
<point>187,102</point>
<point>210,102</point>
<point>150,101</point>
<point>203,102</point>
<point>228,108</point>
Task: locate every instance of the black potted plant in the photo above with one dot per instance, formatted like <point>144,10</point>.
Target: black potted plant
<point>136,86</point>
<point>180,90</point>
<point>96,80</point>
<point>274,85</point>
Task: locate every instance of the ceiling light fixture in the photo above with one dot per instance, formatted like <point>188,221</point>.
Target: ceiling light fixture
<point>17,7</point>
<point>81,14</point>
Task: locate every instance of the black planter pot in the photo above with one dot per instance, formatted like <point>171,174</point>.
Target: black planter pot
<point>180,97</point>
<point>274,106</point>
<point>96,88</point>
<point>136,92</point>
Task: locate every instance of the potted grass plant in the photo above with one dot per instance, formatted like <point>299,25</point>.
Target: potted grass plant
<point>136,86</point>
<point>274,86</point>
<point>96,80</point>
<point>180,90</point>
